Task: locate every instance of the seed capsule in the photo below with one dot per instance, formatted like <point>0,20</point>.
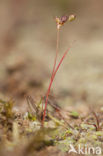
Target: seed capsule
<point>72,18</point>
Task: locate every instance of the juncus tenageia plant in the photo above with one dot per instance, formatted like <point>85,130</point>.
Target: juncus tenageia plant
<point>59,22</point>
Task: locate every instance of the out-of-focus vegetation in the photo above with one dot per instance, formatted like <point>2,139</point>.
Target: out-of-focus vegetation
<point>22,134</point>
<point>27,50</point>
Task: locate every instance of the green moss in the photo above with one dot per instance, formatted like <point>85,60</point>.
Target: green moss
<point>94,137</point>
<point>74,114</point>
<point>31,117</point>
<point>99,133</point>
<point>7,108</point>
<point>82,140</point>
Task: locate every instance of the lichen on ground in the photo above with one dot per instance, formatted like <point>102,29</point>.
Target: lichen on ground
<point>22,132</point>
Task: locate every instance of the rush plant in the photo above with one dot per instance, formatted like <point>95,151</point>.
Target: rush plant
<point>59,23</point>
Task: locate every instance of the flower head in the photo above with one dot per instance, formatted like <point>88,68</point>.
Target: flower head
<point>61,21</point>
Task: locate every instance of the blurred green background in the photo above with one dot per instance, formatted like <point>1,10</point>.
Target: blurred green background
<point>28,43</point>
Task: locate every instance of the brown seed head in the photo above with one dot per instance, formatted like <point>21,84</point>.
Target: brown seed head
<point>63,19</point>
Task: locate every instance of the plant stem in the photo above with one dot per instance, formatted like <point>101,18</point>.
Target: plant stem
<point>52,78</point>
<point>57,47</point>
<point>60,62</point>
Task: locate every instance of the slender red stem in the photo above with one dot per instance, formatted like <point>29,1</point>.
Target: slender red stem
<point>60,62</point>
<point>57,47</point>
<point>48,91</point>
<point>52,78</point>
<point>46,101</point>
